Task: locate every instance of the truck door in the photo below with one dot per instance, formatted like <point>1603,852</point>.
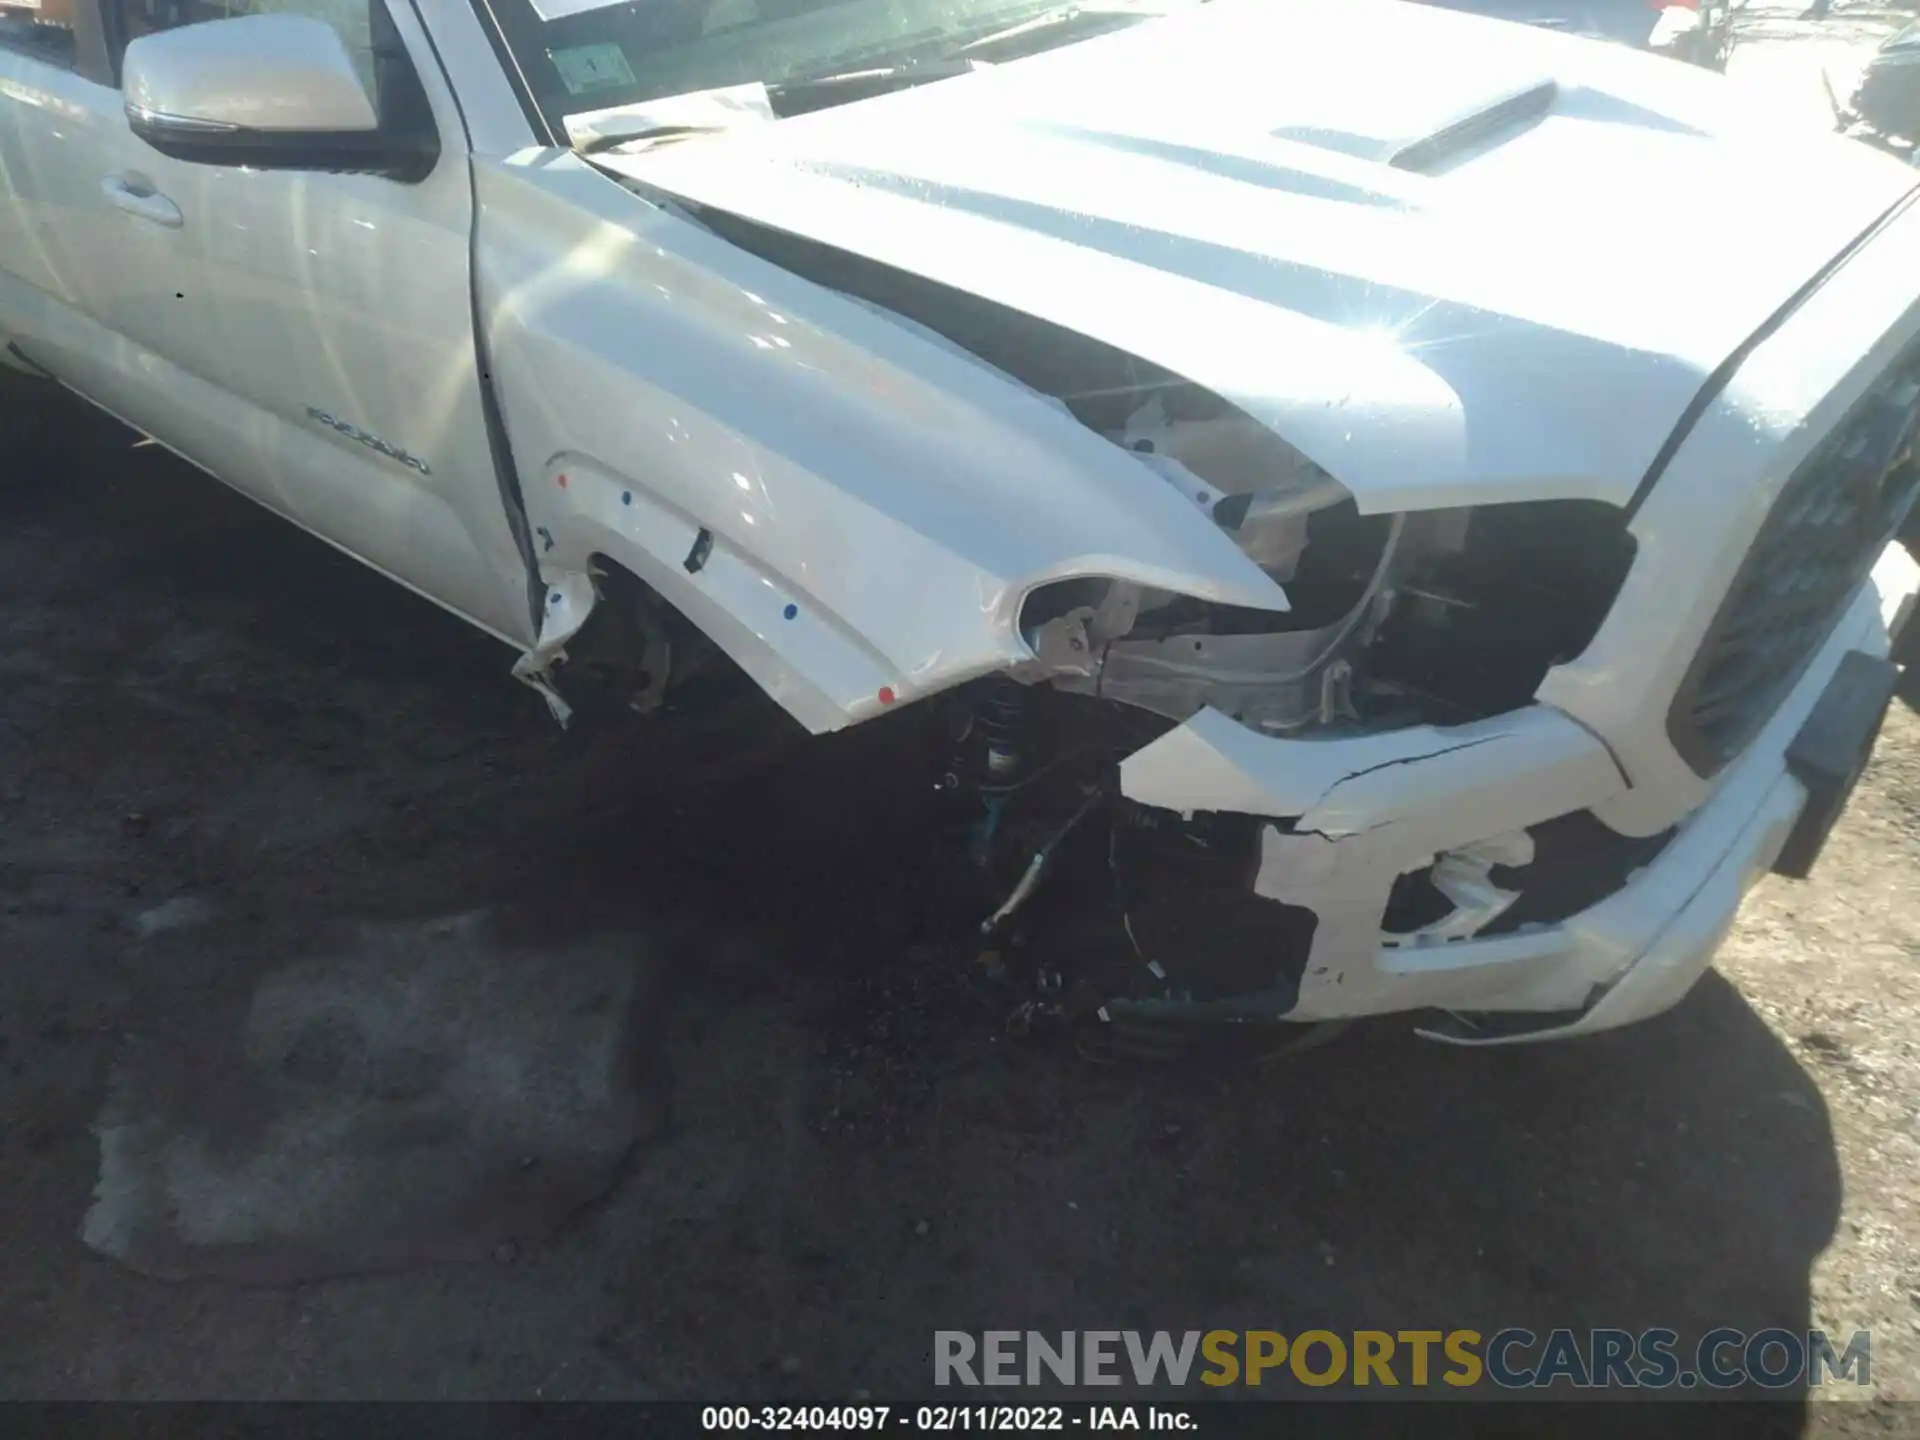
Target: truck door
<point>307,336</point>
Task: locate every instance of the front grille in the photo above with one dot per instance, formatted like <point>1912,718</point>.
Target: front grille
<point>1828,526</point>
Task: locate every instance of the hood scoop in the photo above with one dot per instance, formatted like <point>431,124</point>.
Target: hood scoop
<point>1485,126</point>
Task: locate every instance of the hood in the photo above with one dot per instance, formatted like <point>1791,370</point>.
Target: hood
<point>1450,259</point>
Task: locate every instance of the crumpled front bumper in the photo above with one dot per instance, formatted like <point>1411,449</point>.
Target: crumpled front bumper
<point>1364,810</point>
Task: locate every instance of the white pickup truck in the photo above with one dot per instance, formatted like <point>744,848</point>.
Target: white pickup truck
<point>1290,441</point>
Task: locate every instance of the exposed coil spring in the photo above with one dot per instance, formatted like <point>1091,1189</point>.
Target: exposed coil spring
<point>998,738</point>
<point>1001,729</point>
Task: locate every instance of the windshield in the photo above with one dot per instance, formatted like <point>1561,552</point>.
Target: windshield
<point>585,56</point>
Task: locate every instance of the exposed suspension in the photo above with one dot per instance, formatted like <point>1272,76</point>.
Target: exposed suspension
<point>996,757</point>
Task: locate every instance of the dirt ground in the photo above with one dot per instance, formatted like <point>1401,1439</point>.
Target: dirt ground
<point>199,703</point>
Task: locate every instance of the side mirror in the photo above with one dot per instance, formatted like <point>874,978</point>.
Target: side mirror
<point>268,91</point>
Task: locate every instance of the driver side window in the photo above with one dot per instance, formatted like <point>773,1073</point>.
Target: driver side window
<point>39,32</point>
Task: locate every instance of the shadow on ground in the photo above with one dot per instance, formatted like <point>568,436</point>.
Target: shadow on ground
<point>196,701</point>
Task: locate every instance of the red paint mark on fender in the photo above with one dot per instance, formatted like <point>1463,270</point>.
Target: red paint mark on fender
<point>562,482</point>
<point>886,696</point>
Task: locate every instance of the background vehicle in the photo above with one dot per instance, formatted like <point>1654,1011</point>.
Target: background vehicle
<point>1884,108</point>
<point>1698,32</point>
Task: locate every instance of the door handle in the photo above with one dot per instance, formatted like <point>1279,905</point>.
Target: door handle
<point>136,198</point>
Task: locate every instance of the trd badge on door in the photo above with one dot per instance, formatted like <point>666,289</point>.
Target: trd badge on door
<point>372,442</point>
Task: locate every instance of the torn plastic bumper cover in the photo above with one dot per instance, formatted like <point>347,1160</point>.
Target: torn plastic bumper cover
<point>1350,817</point>
<point>1367,810</point>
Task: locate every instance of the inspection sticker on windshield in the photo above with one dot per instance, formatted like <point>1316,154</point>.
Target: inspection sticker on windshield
<point>591,67</point>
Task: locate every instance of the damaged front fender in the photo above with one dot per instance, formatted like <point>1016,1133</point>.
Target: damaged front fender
<point>850,509</point>
<point>570,600</point>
